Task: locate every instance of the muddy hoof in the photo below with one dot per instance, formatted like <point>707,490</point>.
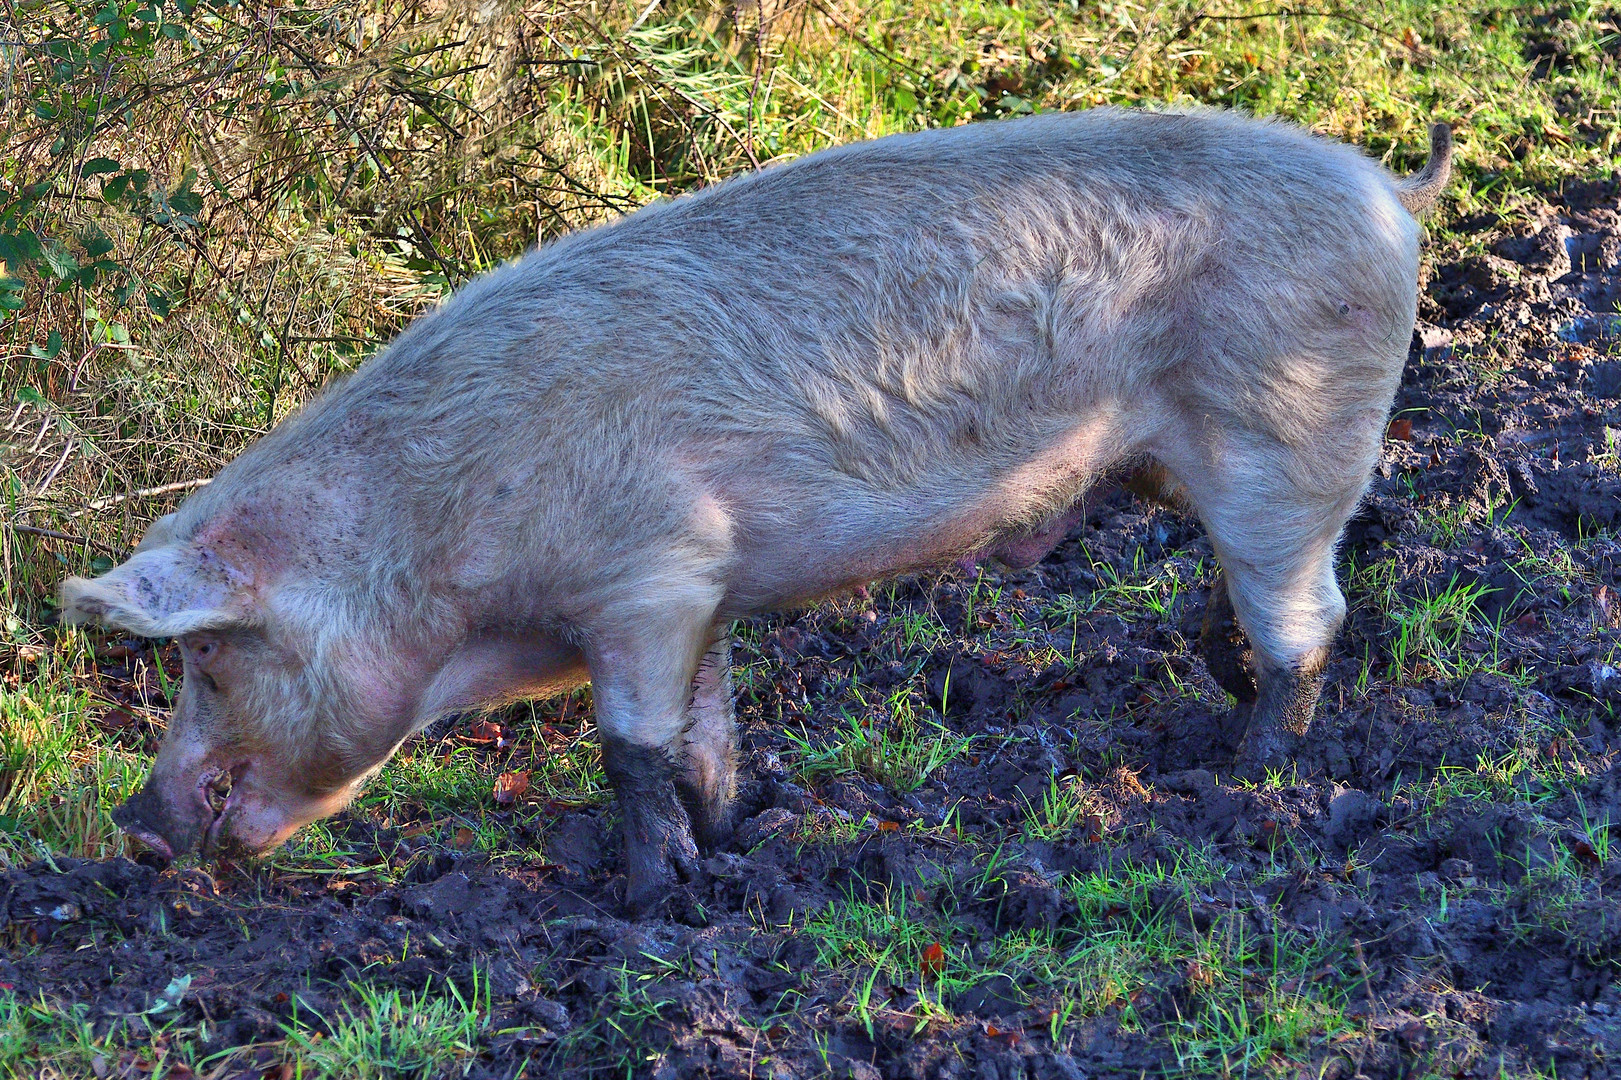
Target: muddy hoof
<point>717,837</point>
<point>653,875</point>
<point>1233,724</point>
<point>1265,753</point>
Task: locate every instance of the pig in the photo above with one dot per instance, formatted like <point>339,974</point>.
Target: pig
<point>876,360</point>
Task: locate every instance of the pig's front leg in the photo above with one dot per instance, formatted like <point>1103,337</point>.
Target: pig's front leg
<point>1223,645</point>
<point>659,848</point>
<point>1274,511</point>
<point>642,671</point>
<point>707,778</point>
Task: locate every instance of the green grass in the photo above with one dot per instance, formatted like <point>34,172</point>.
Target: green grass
<point>382,1034</point>
<point>1243,1002</point>
<point>44,1041</point>
<point>378,1034</point>
<point>1430,631</point>
<point>1519,775</point>
<point>60,775</point>
<point>1065,806</point>
<point>612,1042</point>
<point>1146,591</point>
<point>898,742</point>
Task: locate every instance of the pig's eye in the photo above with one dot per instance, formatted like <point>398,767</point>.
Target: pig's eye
<point>205,649</point>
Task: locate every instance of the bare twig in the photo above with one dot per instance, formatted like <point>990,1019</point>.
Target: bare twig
<point>61,461</point>
<point>143,493</point>
<point>34,530</point>
<point>1295,13</point>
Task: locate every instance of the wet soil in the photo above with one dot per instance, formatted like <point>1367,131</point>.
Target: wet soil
<point>1442,835</point>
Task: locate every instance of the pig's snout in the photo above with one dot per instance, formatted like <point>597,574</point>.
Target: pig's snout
<point>175,818</point>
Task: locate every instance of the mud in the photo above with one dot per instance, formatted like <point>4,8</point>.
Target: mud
<point>1441,838</point>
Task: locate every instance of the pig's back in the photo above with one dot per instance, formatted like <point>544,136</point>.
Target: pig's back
<point>887,305</point>
<point>881,335</point>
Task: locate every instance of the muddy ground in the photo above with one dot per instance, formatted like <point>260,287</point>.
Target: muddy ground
<point>1442,842</point>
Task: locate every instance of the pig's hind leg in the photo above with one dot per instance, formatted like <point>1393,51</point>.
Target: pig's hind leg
<point>1224,647</point>
<point>707,777</point>
<point>1222,644</point>
<point>1273,519</point>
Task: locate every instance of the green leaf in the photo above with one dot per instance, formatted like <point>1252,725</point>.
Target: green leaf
<point>188,203</point>
<point>99,165</point>
<point>60,260</point>
<point>95,242</point>
<point>19,248</point>
<point>52,346</point>
<point>172,995</point>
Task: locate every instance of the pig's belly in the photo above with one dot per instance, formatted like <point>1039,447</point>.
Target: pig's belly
<point>839,535</point>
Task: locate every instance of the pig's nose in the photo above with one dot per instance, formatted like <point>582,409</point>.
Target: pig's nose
<point>137,818</point>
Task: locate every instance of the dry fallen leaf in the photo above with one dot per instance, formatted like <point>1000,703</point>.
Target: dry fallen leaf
<point>934,960</point>
<point>115,720</point>
<point>463,839</point>
<point>1584,852</point>
<point>1400,429</point>
<point>510,786</point>
<point>1095,824</point>
<point>485,731</point>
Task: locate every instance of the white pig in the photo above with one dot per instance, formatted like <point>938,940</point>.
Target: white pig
<point>877,359</point>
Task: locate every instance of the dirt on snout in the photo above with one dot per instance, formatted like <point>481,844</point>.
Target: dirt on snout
<point>987,830</point>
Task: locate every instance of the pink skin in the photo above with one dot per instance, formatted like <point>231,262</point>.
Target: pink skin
<point>250,820</point>
<point>1019,552</point>
<point>270,788</point>
<point>182,807</point>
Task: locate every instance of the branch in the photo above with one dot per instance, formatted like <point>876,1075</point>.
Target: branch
<point>143,493</point>
<point>1293,13</point>
<point>34,530</point>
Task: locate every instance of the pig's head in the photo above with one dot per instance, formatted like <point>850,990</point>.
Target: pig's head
<point>279,717</point>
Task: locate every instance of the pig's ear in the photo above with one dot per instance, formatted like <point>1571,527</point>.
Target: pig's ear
<point>163,591</point>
